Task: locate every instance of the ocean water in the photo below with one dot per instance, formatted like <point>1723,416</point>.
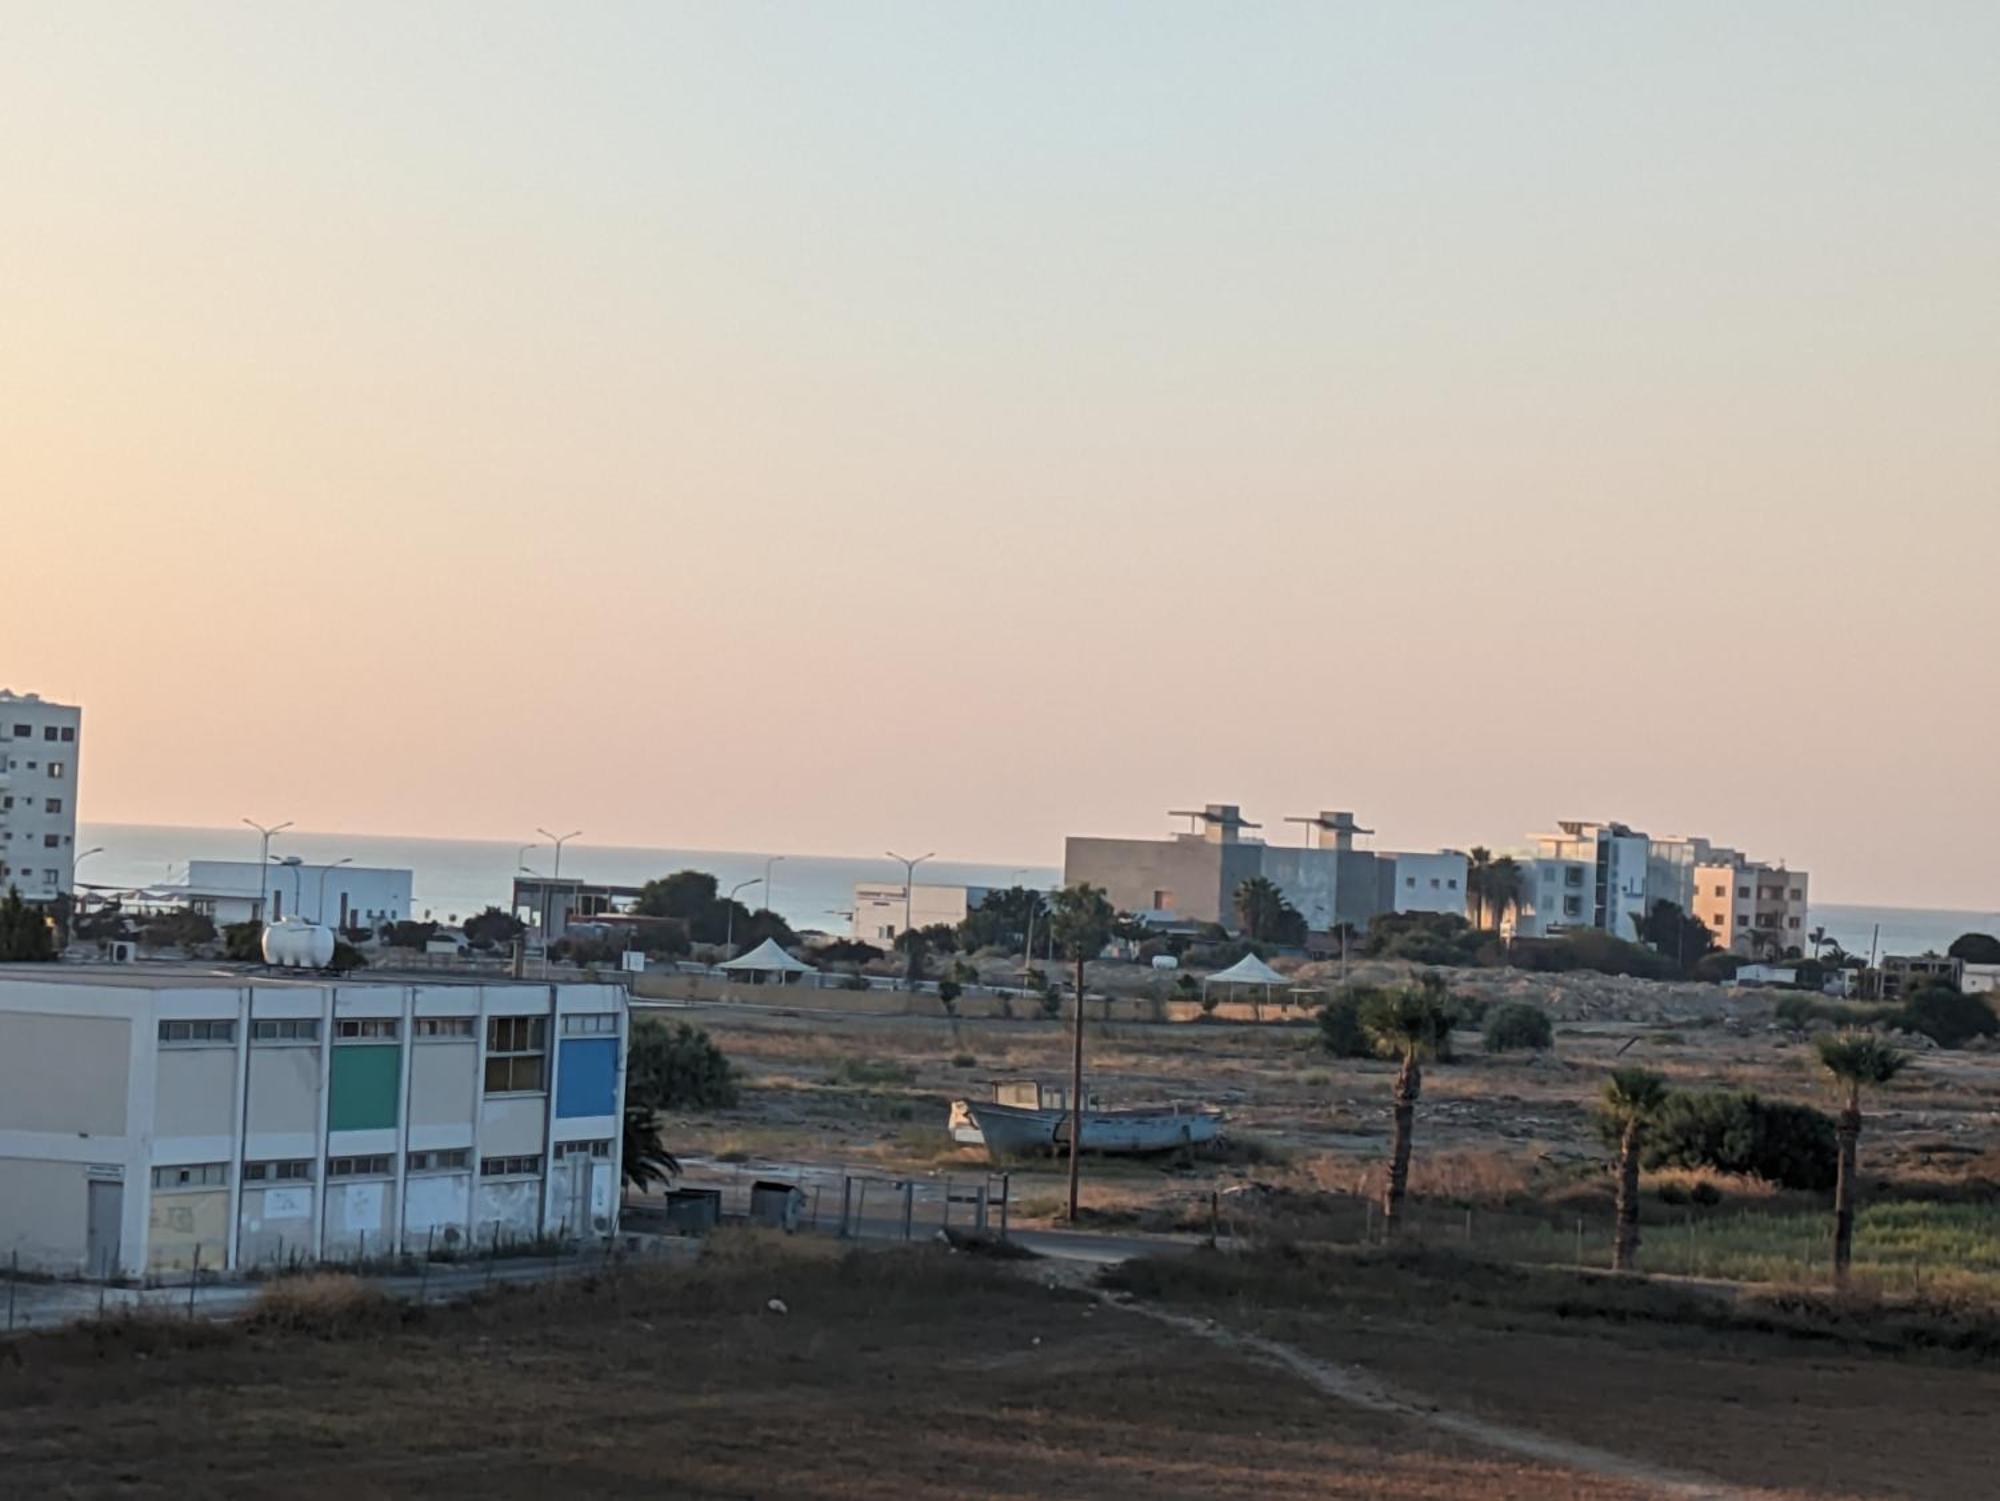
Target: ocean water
<point>457,877</point>
<point>453,878</point>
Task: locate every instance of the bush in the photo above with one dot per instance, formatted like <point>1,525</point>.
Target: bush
<point>1738,1132</point>
<point>181,930</point>
<point>243,942</point>
<point>330,1305</point>
<point>964,1060</point>
<point>1340,1029</point>
<point>411,935</point>
<point>1518,1027</point>
<point>1717,969</point>
<point>1798,1009</point>
<point>1946,1017</point>
<point>488,929</point>
<point>677,1067</point>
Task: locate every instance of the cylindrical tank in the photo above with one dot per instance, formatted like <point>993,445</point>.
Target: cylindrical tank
<point>291,943</point>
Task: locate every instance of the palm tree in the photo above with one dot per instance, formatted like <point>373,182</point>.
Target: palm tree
<point>1477,863</point>
<point>1083,919</point>
<point>1817,937</point>
<point>1260,908</point>
<point>1854,1060</point>
<point>1632,1096</point>
<point>1409,1023</point>
<point>1504,885</point>
<point>644,1159</point>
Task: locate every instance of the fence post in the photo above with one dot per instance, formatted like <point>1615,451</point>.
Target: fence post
<point>846,1197</point>
<point>493,1254</point>
<point>979,1224</point>
<point>13,1277</point>
<point>861,1211</point>
<point>816,1188</point>
<point>361,1250</point>
<point>1006,1198</point>
<point>946,1222</point>
<point>194,1277</point>
<point>424,1271</point>
<point>1468,1224</point>
<point>1579,1241</point>
<point>909,1204</point>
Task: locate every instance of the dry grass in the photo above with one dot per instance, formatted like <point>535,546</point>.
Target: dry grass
<point>328,1304</point>
<point>926,1374</point>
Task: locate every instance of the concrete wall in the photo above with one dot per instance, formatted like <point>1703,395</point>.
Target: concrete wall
<point>1192,878</point>
<point>195,1093</point>
<point>879,908</point>
<point>438,1209</point>
<point>1428,882</point>
<point>86,1095</point>
<point>360,1216</point>
<point>444,1082</point>
<point>511,1126</point>
<point>43,1213</point>
<point>277,1224</point>
<point>513,1206</point>
<point>284,1089</point>
<point>182,1220</point>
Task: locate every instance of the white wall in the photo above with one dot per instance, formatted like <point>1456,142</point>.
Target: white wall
<point>1429,883</point>
<point>228,890</point>
<point>878,908</point>
<point>36,770</point>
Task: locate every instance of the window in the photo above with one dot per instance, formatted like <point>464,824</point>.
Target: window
<point>358,1167</point>
<point>1452,883</point>
<point>1791,922</point>
<point>1572,906</point>
<point>1573,875</point>
<point>286,1029</point>
<point>366,1029</point>
<point>589,1024</point>
<point>1722,891</point>
<point>456,1159</point>
<point>197,1032</point>
<point>515,1051</point>
<point>600,1149</point>
<point>69,732</point>
<point>23,731</point>
<point>48,732</point>
<point>509,1167</point>
<point>55,770</point>
<point>1798,893</point>
<point>51,841</point>
<point>53,804</point>
<point>1434,883</point>
<point>197,1175</point>
<point>1742,892</point>
<point>296,1170</point>
<point>444,1026</point>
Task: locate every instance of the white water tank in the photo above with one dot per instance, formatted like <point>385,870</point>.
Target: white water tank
<point>291,943</point>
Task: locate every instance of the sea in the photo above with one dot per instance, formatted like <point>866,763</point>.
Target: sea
<point>453,878</point>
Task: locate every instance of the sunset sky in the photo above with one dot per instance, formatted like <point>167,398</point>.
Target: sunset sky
<point>823,428</point>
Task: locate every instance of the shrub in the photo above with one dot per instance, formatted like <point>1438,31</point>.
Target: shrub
<point>244,942</point>
<point>1717,969</point>
<point>1470,1010</point>
<point>183,930</point>
<point>677,1067</point>
<point>330,1305</point>
<point>1340,1029</point>
<point>1946,1017</point>
<point>1798,1009</point>
<point>1705,1194</point>
<point>1518,1027</point>
<point>964,1060</point>
<point>1738,1132</point>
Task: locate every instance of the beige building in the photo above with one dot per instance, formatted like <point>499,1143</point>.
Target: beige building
<point>152,1116</point>
<point>1755,910</point>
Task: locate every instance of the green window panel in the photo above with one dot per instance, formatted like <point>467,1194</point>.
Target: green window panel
<point>367,1080</point>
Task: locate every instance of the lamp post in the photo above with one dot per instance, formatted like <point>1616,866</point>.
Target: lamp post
<point>909,889</point>
<point>297,867</point>
<point>76,896</point>
<point>319,911</point>
<point>729,908</point>
<point>264,863</point>
<point>768,863</point>
<point>548,895</point>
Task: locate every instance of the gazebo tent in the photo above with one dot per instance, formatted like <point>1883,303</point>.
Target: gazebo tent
<point>1252,974</point>
<point>767,963</point>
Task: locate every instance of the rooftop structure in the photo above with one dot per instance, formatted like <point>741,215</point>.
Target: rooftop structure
<point>151,1115</point>
<point>341,896</point>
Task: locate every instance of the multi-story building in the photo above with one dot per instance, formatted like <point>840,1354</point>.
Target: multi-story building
<point>1425,882</point>
<point>1194,876</point>
<point>1586,875</point>
<point>39,744</point>
<point>1756,910</point>
<point>153,1115</point>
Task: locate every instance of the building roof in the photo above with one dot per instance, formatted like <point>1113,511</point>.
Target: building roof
<point>1249,970</point>
<point>165,974</point>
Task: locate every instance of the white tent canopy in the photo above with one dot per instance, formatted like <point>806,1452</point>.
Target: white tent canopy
<point>767,959</point>
<point>1249,970</point>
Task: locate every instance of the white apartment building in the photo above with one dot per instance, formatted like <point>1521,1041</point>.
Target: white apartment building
<point>151,1115</point>
<point>340,896</point>
<point>1753,909</point>
<point>1585,875</point>
<point>1425,883</point>
<point>880,906</point>
<point>39,744</point>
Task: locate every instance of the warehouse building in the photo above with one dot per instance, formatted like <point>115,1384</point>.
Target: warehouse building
<point>153,1115</point>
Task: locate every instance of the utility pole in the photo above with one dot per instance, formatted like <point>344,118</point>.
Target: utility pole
<point>729,913</point>
<point>909,893</point>
<point>264,866</point>
<point>547,894</point>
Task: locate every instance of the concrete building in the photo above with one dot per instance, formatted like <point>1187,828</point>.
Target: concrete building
<point>1585,875</point>
<point>341,896</point>
<point>1426,883</point>
<point>550,905</point>
<point>1979,979</point>
<point>1753,909</point>
<point>1193,876</point>
<point>39,747</point>
<point>880,908</point>
<point>152,1113</point>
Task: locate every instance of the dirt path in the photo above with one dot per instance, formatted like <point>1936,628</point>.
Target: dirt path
<point>1358,1388</point>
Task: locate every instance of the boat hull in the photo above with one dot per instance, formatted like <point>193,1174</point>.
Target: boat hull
<point>1014,1131</point>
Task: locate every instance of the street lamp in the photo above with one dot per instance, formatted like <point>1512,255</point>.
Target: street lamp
<point>320,910</point>
<point>76,896</point>
<point>729,931</point>
<point>909,885</point>
<point>769,906</point>
<point>297,867</point>
<point>263,862</point>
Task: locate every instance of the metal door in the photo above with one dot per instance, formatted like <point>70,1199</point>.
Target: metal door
<point>104,1227</point>
<point>577,1215</point>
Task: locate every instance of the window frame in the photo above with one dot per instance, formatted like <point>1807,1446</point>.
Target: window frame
<point>511,1167</point>
<point>214,1175</point>
<point>216,1032</point>
<point>514,1060</point>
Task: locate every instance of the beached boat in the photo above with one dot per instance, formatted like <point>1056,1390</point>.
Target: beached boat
<point>1025,1120</point>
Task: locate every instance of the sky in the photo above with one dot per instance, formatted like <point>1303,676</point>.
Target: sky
<point>829,428</point>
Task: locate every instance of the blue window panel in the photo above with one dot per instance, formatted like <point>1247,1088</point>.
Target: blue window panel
<point>587,1077</point>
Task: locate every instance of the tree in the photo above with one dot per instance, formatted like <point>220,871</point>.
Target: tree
<point>1975,948</point>
<point>1519,1026</point>
<point>1410,1023</point>
<point>1945,1015</point>
<point>493,928</point>
<point>406,934</point>
<point>1340,1029</point>
<point>25,935</point>
<point>1083,919</point>
<point>677,1067</point>
<point>644,1159</point>
<point>243,942</point>
<point>1669,932</point>
<point>1855,1061</point>
<point>1493,887</point>
<point>1477,862</point>
<point>1632,1097</point>
<point>181,930</point>
<point>1265,915</point>
<point>686,894</point>
<point>1001,919</point>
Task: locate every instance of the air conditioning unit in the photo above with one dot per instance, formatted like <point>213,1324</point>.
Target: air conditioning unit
<point>121,951</point>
